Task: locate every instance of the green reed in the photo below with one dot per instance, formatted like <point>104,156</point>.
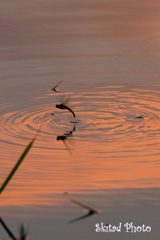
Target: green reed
<point>23,234</point>
<point>7,229</point>
<point>20,160</point>
<point>17,165</point>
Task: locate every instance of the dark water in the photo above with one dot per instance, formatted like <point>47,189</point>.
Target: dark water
<point>107,54</point>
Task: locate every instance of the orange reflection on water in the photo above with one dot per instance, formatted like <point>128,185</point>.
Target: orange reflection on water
<point>92,166</point>
<point>109,148</point>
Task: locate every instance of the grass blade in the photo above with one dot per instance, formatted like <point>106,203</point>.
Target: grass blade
<point>23,234</point>
<point>7,229</point>
<point>21,158</point>
<point>17,165</point>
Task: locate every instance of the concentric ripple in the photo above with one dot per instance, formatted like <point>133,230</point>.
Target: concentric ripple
<point>102,115</point>
<point>24,124</point>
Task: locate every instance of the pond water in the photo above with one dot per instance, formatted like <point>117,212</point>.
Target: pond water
<point>107,55</point>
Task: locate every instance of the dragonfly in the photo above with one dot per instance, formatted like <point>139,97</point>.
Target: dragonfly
<point>64,107</point>
<point>90,210</point>
<point>54,89</point>
<point>66,134</point>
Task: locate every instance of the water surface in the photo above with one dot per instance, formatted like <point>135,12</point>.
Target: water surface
<point>107,54</point>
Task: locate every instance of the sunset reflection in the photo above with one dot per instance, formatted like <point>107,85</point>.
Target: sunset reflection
<point>111,149</point>
<point>104,149</point>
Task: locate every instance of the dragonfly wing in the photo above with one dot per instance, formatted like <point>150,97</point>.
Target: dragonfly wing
<point>66,100</point>
<point>67,146</point>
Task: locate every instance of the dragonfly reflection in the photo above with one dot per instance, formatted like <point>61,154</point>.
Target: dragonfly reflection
<point>90,210</point>
<point>139,117</point>
<point>66,138</point>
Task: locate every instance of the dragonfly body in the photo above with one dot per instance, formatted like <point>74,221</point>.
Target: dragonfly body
<point>63,107</point>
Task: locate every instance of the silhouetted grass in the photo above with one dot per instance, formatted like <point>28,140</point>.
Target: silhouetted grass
<point>19,161</point>
<point>7,229</point>
<point>17,165</point>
